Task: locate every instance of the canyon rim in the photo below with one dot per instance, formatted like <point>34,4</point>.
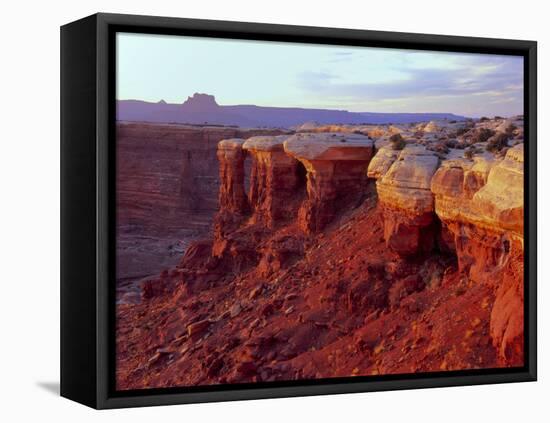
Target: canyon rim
<point>273,243</point>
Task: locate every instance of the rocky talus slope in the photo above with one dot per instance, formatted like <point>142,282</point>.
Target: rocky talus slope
<point>351,253</point>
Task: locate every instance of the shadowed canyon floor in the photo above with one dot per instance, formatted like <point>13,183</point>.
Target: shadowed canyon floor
<point>343,251</point>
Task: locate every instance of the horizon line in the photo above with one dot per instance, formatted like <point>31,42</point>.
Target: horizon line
<point>302,108</point>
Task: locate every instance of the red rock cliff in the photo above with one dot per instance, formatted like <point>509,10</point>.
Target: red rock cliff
<point>167,185</point>
<point>299,283</point>
<point>481,203</point>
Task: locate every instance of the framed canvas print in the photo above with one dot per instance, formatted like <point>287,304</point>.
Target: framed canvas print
<point>255,211</point>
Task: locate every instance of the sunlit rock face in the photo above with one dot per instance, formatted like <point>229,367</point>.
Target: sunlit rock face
<point>382,161</point>
<point>336,166</point>
<point>404,193</point>
<point>232,196</point>
<point>482,197</point>
<point>274,179</point>
<point>481,204</point>
<point>276,191</point>
<point>295,281</point>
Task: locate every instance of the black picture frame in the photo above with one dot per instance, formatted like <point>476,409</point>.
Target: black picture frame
<point>87,208</point>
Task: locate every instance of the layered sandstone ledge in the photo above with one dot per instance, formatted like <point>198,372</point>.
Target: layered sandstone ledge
<point>432,202</point>
<point>298,280</point>
<point>473,207</point>
<point>468,206</point>
<point>313,175</point>
<point>404,192</point>
<point>481,204</point>
<point>482,200</point>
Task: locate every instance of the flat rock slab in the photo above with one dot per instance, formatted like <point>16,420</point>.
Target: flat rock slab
<point>330,146</point>
<point>265,143</point>
<point>231,144</point>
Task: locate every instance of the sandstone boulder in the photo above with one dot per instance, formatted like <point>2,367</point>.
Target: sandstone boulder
<point>381,162</point>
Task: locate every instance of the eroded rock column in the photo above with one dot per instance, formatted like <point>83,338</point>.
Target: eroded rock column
<point>274,179</point>
<point>403,188</point>
<point>228,251</point>
<point>232,196</point>
<point>336,166</point>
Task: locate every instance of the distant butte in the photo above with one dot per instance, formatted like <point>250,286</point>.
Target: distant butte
<point>200,102</point>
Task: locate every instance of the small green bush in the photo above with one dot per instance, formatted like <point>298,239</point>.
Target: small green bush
<point>397,142</point>
<point>461,131</point>
<point>470,152</point>
<point>481,135</point>
<point>439,147</point>
<point>497,142</point>
<point>452,143</point>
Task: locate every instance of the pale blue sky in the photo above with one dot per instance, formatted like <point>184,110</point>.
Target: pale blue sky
<point>155,67</point>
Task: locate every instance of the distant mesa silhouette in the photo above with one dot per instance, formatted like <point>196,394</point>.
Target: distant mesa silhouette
<point>202,108</point>
<point>200,102</point>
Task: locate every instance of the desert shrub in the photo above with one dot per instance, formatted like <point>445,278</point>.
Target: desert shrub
<point>481,135</point>
<point>461,131</point>
<point>418,134</point>
<point>502,152</point>
<point>498,117</point>
<point>452,143</point>
<point>484,119</point>
<point>497,142</point>
<point>397,142</point>
<point>470,152</point>
<point>439,147</point>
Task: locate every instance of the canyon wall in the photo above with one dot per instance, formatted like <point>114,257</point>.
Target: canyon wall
<point>472,208</point>
<point>481,204</point>
<point>167,183</point>
<point>341,255</point>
